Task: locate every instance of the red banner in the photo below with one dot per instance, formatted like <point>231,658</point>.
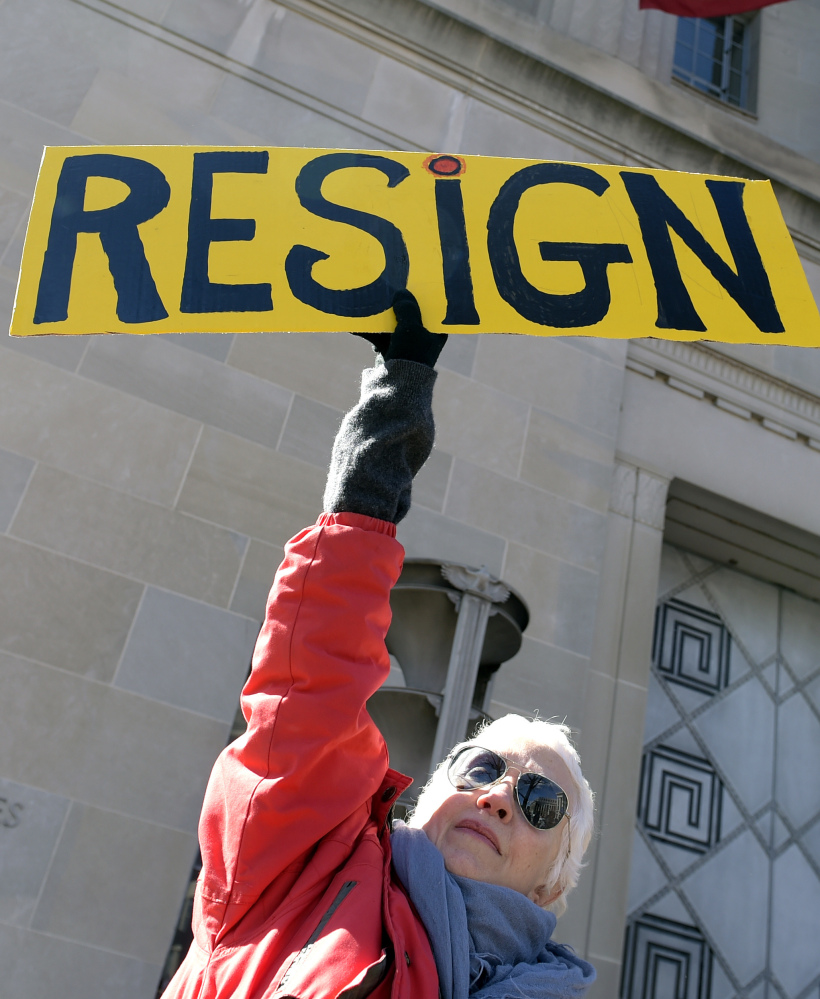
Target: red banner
<point>706,8</point>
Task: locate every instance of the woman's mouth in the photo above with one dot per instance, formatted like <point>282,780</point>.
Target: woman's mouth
<point>478,829</point>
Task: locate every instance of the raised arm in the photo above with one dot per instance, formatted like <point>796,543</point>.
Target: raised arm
<point>311,757</point>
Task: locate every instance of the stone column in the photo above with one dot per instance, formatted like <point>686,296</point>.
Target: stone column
<point>480,594</point>
<point>615,705</point>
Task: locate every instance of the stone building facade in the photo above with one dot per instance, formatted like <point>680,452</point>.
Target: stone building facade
<point>627,490</point>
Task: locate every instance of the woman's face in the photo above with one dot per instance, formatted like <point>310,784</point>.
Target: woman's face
<point>482,833</point>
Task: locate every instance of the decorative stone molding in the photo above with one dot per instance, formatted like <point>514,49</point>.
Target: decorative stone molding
<point>639,494</point>
<point>624,487</point>
<point>477,582</point>
<point>703,358</point>
<point>737,388</point>
<point>650,499</point>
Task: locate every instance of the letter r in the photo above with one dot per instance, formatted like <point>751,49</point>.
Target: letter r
<point>138,300</point>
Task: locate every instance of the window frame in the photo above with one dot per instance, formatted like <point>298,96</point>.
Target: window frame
<point>687,76</point>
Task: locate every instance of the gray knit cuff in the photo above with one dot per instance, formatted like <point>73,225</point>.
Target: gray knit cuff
<point>382,442</point>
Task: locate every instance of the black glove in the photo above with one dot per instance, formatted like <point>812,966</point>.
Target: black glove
<point>410,341</point>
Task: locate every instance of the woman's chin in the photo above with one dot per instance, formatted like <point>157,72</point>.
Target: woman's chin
<point>465,865</point>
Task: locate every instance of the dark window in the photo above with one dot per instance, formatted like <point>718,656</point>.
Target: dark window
<point>715,55</point>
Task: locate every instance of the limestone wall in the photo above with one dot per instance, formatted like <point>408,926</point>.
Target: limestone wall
<point>147,484</point>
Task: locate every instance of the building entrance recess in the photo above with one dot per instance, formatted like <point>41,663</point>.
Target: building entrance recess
<point>724,899</point>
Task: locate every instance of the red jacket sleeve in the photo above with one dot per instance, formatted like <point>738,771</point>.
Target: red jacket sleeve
<point>311,755</point>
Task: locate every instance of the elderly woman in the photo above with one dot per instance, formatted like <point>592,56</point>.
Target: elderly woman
<point>307,888</point>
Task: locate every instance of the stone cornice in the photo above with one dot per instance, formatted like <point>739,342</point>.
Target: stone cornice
<point>238,67</point>
<point>737,388</point>
<point>378,24</point>
<point>706,122</point>
<point>604,126</point>
<point>551,97</point>
<point>440,32</point>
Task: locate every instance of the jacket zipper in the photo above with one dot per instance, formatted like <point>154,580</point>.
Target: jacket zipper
<point>341,895</point>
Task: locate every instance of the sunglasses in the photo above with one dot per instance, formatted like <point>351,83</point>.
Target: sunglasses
<point>541,800</point>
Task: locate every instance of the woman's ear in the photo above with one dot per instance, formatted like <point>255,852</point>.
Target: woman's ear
<point>544,896</point>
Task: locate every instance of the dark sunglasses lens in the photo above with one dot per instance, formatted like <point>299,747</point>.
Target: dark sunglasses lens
<point>474,767</point>
<point>543,802</point>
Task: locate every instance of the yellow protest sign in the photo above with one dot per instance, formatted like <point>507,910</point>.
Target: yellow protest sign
<point>156,239</point>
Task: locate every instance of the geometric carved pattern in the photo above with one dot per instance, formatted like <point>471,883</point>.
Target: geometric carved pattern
<point>680,799</point>
<point>664,959</point>
<point>691,647</point>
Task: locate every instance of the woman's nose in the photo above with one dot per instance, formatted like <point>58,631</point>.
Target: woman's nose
<point>497,799</point>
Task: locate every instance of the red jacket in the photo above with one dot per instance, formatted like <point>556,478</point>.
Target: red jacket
<point>296,895</point>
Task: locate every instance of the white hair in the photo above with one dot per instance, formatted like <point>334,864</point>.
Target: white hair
<point>514,730</point>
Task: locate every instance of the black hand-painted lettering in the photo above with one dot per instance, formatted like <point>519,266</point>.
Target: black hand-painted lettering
<point>371,299</point>
<point>138,300</point>
<point>455,253</point>
<point>749,287</point>
<point>199,293</point>
<point>581,308</point>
